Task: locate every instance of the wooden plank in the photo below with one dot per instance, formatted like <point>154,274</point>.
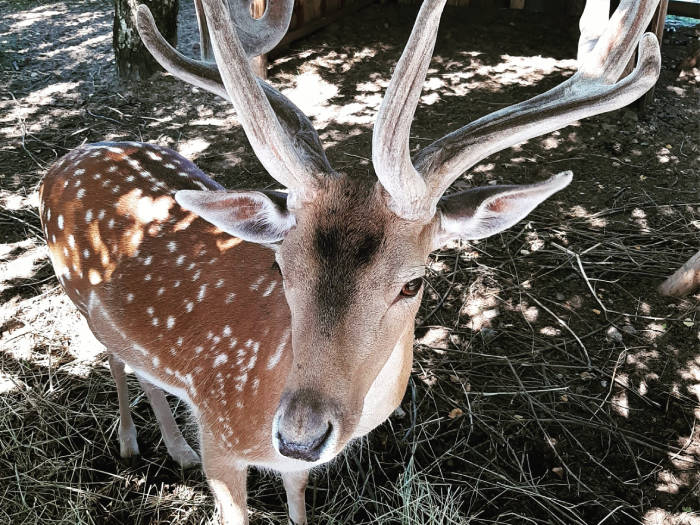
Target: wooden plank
<point>682,8</point>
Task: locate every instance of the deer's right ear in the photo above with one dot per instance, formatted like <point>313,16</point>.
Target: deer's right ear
<point>481,212</point>
<point>254,216</point>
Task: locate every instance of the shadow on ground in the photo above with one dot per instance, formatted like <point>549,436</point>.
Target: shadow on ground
<point>551,384</point>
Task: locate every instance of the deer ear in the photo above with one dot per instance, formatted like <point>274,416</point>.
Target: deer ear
<point>481,212</point>
<point>253,216</point>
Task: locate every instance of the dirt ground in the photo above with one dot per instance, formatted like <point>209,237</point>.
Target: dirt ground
<point>551,385</point>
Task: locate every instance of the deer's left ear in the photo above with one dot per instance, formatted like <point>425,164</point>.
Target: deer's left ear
<point>254,216</point>
<point>481,212</point>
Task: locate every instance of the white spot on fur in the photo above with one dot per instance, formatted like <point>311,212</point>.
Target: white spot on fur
<point>220,360</point>
<point>275,358</point>
<point>269,289</point>
<point>257,283</point>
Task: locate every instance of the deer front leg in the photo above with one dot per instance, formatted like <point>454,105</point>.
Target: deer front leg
<point>128,447</point>
<point>175,443</point>
<point>227,480</point>
<point>295,487</point>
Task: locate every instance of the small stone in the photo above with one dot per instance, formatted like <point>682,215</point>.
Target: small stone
<point>399,412</point>
<point>613,334</point>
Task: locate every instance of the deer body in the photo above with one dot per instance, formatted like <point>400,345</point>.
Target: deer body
<point>207,319</point>
<point>284,364</point>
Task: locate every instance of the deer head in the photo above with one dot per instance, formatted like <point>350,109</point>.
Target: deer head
<point>352,247</point>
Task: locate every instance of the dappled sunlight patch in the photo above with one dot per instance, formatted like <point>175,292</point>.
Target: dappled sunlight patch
<point>312,94</point>
<point>642,360</point>
<point>192,147</point>
<point>664,155</point>
<point>619,402</point>
<point>22,20</point>
<point>10,382</point>
<point>510,71</point>
<point>659,516</point>
<point>23,265</point>
<point>480,306</point>
<point>550,331</point>
<point>581,212</point>
<point>654,330</point>
<point>11,201</point>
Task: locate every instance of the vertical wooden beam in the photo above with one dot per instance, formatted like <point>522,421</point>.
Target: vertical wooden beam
<point>517,4</point>
<point>259,63</point>
<point>657,27</point>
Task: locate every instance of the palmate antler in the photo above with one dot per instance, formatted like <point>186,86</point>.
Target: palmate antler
<point>606,46</point>
<point>281,136</point>
<point>289,148</point>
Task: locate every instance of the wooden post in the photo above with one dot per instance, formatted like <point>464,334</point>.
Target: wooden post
<point>657,27</point>
<point>517,4</point>
<point>259,63</point>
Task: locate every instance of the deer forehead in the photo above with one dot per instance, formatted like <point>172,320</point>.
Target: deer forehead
<point>348,247</point>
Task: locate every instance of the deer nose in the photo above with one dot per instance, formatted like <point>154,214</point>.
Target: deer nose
<point>304,426</point>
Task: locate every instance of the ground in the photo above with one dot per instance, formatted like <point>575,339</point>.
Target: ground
<point>551,383</point>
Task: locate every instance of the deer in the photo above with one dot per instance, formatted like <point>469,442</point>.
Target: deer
<point>285,319</point>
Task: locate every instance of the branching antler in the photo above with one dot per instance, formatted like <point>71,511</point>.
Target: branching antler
<point>603,55</point>
<point>257,36</point>
<point>281,136</point>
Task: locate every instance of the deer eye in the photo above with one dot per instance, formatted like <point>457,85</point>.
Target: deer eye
<point>411,288</point>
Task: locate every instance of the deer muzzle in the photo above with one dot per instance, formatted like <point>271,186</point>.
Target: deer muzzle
<point>306,426</point>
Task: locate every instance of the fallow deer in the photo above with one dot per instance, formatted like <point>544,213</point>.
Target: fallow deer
<point>285,320</point>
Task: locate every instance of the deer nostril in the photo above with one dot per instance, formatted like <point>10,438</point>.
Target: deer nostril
<point>305,450</point>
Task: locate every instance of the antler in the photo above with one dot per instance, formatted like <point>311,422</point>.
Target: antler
<point>257,36</point>
<point>281,136</point>
<point>604,51</point>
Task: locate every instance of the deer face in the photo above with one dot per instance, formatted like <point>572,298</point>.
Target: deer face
<point>352,270</point>
<point>353,279</point>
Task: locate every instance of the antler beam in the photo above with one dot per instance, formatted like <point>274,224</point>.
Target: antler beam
<point>594,89</point>
<point>287,147</point>
<point>296,125</point>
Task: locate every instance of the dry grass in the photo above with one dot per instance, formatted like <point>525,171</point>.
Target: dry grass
<point>551,384</point>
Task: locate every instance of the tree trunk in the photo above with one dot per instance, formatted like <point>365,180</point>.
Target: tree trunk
<point>134,62</point>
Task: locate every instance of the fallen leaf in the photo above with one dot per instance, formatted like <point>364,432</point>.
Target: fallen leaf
<point>558,471</point>
<point>455,413</point>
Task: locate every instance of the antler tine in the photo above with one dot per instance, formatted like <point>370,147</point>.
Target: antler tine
<point>205,49</point>
<point>592,90</point>
<point>390,138</point>
<point>257,36</point>
<point>593,21</point>
<point>205,75</point>
<point>291,165</point>
<point>261,35</point>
